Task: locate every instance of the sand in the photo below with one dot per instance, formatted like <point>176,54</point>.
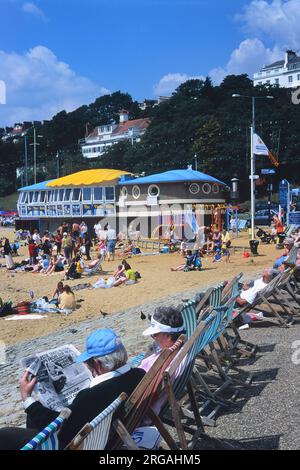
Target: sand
<point>157,282</point>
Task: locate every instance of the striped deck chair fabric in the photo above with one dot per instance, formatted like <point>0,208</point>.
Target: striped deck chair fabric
<point>138,405</point>
<point>94,435</point>
<point>47,438</point>
<point>292,257</point>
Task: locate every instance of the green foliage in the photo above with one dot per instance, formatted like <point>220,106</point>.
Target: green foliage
<point>199,118</point>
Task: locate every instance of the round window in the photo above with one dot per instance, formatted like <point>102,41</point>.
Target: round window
<point>124,191</point>
<point>215,188</point>
<point>194,188</point>
<point>136,192</point>
<point>153,190</point>
<point>206,188</point>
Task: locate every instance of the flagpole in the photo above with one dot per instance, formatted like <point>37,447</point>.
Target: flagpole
<point>252,186</point>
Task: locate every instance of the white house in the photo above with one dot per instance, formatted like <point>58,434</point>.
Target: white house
<point>106,135</point>
<point>284,73</point>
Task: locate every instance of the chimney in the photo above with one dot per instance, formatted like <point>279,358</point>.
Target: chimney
<point>289,55</point>
<point>123,115</point>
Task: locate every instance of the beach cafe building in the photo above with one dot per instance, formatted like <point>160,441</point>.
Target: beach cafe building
<point>185,199</point>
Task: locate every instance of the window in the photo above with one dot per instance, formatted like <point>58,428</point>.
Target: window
<point>42,196</point>
<point>35,196</point>
<point>260,83</point>
<point>215,188</point>
<point>49,196</point>
<point>153,190</point>
<point>76,194</point>
<point>136,192</point>
<point>298,77</point>
<point>110,193</point>
<point>60,195</point>
<point>194,188</point>
<point>67,195</point>
<point>276,70</point>
<point>55,195</point>
<point>268,82</point>
<point>98,194</point>
<point>24,198</point>
<point>87,194</point>
<point>276,81</point>
<point>206,188</point>
<point>30,196</point>
<point>124,191</point>
<point>290,78</point>
<point>268,71</point>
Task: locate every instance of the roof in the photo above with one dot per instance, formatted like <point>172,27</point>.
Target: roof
<point>88,177</point>
<point>174,176</point>
<point>36,187</point>
<point>123,127</point>
<point>279,63</point>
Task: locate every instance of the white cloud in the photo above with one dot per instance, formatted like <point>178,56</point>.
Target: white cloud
<point>277,20</point>
<point>168,83</point>
<point>247,58</point>
<point>38,86</point>
<point>33,9</point>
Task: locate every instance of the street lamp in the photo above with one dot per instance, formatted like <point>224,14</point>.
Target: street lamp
<point>196,162</point>
<point>35,143</point>
<point>252,171</point>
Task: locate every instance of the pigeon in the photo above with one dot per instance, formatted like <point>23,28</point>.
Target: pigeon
<point>73,330</point>
<point>143,316</point>
<point>103,313</point>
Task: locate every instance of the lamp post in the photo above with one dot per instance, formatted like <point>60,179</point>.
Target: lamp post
<point>26,159</point>
<point>196,162</point>
<point>35,143</point>
<point>252,155</point>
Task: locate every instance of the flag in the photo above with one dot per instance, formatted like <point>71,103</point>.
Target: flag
<point>259,148</point>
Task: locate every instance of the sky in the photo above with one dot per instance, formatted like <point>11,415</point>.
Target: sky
<point>60,54</point>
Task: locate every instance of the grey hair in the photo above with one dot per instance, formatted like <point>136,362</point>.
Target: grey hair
<point>114,360</point>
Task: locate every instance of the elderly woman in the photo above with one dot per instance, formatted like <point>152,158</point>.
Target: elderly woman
<point>166,327</point>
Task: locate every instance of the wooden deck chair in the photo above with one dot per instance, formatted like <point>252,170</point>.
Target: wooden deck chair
<point>211,298</point>
<point>265,296</point>
<point>97,269</point>
<point>47,439</point>
<point>204,333</point>
<point>94,435</point>
<point>290,262</point>
<point>138,405</point>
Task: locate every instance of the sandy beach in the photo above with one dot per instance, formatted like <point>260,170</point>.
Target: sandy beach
<point>156,281</point>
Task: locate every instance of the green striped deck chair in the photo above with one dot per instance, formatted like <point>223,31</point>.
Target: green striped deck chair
<point>94,435</point>
<point>204,333</point>
<point>47,439</point>
<point>212,298</point>
<point>138,405</point>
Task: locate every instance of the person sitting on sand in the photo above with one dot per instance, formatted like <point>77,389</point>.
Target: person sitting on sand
<point>58,291</point>
<point>90,268</point>
<point>127,250</point>
<point>67,299</point>
<point>106,358</point>
<point>56,265</point>
<point>188,262</point>
<point>72,271</point>
<point>127,277</point>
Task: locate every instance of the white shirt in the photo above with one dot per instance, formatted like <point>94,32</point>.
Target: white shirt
<point>111,234</point>
<point>250,294</point>
<point>109,375</point>
<point>36,238</point>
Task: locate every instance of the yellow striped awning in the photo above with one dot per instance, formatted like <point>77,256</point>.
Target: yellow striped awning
<point>88,178</point>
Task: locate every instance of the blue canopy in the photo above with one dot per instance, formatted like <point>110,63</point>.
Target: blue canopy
<point>36,187</point>
<point>174,176</point>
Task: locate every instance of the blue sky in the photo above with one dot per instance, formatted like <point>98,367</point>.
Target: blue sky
<point>59,54</point>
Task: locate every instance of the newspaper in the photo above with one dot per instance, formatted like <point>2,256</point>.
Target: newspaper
<point>59,377</point>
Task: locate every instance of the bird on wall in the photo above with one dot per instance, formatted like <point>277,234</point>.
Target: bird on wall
<point>143,316</point>
<point>104,313</point>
